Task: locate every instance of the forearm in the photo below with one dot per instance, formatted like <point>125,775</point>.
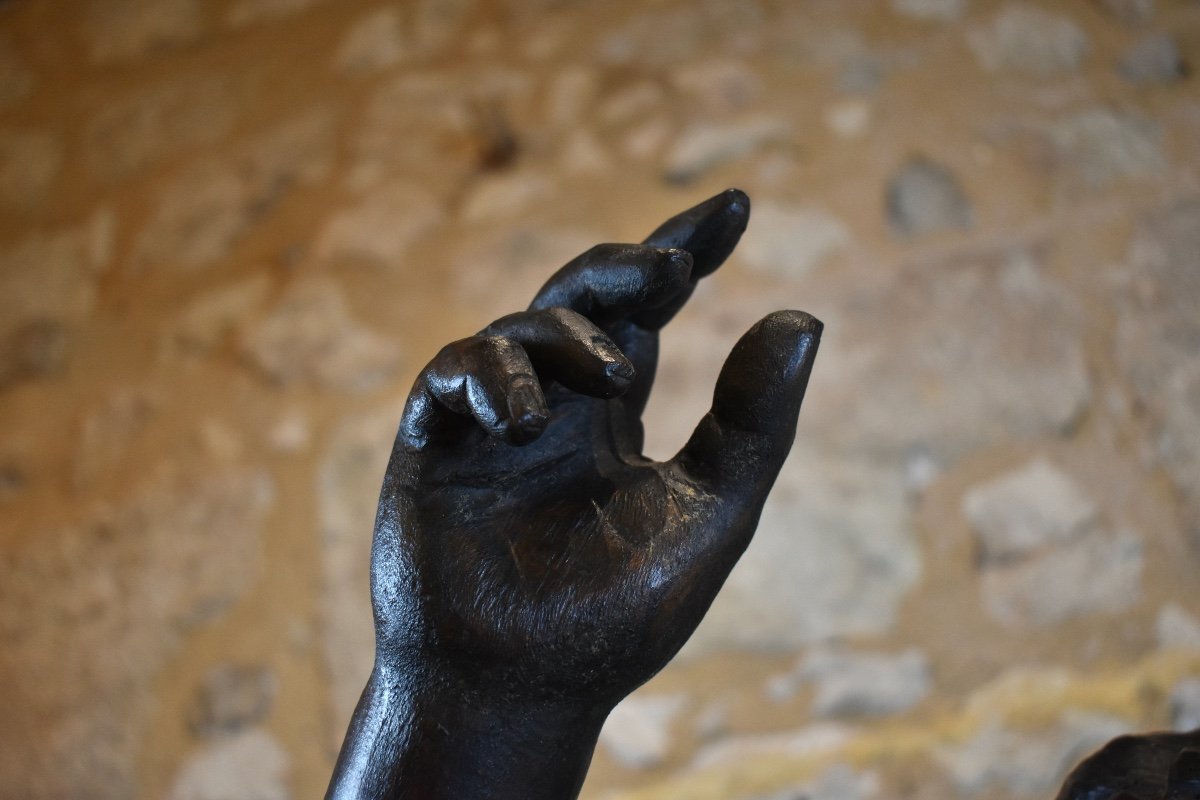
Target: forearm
<point>415,737</point>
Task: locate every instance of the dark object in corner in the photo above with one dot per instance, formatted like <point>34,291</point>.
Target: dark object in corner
<point>1151,766</point>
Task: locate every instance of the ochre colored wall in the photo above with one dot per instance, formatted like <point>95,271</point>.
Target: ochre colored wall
<point>232,231</point>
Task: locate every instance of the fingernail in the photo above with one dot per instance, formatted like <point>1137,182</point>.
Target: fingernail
<point>526,405</point>
<point>679,256</point>
<point>619,369</point>
<point>737,202</point>
<point>679,263</point>
<point>616,366</point>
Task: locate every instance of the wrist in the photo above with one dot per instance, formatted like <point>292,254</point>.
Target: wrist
<point>427,733</point>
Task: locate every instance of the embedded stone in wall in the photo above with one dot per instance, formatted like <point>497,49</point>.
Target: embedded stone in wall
<point>848,119</point>
<point>644,140</point>
<point>196,220</point>
<point>657,37</point>
<point>291,432</point>
<point>637,734</point>
<point>1156,332</point>
<point>790,241</point>
<point>1014,366</point>
<point>631,101</point>
<point>1152,59</point>
<point>347,493</point>
<point>390,35</point>
<point>924,197</point>
<point>145,127</point>
<point>1026,763</point>
<point>217,313</point>
<point>1101,146</point>
<point>89,615</point>
<point>817,741</point>
<point>1097,573</point>
<point>583,154</point>
<point>1177,629</point>
<point>505,196</point>
<point>942,10</point>
<point>707,145</point>
<point>865,684</point>
<point>219,441</point>
<point>212,204</point>
<point>249,12</point>
<point>838,782</point>
<point>436,23</point>
<point>381,227</point>
<point>718,86</point>
<point>246,766</point>
<point>571,95</point>
<point>429,113</point>
<point>861,75</point>
<point>1130,10</point>
<point>231,698</point>
<point>51,276</point>
<point>128,29</point>
<point>921,469</point>
<point>1185,705</point>
<point>1044,556</point>
<point>30,161</point>
<point>311,337</point>
<point>374,42</point>
<point>90,751</point>
<point>1019,513</point>
<point>1024,38</point>
<point>107,432</point>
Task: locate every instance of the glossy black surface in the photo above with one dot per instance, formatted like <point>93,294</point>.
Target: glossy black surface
<point>530,567</point>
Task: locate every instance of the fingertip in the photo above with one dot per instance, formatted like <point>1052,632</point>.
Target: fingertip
<point>737,202</point>
<point>765,377</point>
<point>798,322</point>
<point>730,206</point>
<point>709,230</point>
<point>528,414</point>
<point>619,375</point>
<point>619,369</point>
<point>788,337</point>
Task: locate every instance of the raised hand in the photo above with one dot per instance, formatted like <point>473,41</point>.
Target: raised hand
<point>530,567</point>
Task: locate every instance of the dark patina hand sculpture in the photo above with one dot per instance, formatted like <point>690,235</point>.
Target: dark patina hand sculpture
<point>1152,766</point>
<point>530,567</point>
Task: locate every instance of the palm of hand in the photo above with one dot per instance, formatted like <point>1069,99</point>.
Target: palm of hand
<point>523,542</point>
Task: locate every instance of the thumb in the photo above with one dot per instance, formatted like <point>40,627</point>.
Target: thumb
<point>740,445</point>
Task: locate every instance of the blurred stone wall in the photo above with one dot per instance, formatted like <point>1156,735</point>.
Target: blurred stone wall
<point>232,231</point>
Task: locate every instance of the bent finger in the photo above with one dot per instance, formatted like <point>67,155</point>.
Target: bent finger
<point>614,281</point>
<point>487,379</point>
<point>565,346</point>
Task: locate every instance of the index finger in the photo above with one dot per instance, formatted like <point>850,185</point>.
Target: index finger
<point>709,231</point>
<point>614,281</point>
